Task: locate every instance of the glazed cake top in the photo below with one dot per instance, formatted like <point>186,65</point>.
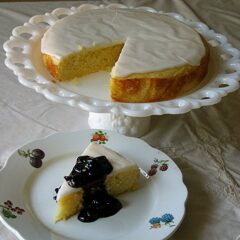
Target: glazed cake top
<point>152,41</point>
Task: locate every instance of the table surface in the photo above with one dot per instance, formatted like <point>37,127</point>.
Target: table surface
<point>205,143</point>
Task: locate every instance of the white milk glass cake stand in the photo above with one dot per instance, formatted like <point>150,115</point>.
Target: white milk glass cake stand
<point>91,93</point>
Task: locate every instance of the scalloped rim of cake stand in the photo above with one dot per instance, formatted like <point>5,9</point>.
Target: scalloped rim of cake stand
<point>18,51</point>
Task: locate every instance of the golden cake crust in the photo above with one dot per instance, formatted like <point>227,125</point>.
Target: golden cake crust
<point>169,84</point>
<point>51,65</point>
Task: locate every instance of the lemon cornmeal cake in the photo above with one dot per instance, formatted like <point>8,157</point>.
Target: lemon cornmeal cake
<point>98,176</point>
<point>150,56</point>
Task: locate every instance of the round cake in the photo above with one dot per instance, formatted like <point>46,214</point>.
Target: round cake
<point>150,56</point>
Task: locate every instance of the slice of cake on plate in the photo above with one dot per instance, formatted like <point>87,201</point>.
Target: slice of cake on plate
<point>98,175</point>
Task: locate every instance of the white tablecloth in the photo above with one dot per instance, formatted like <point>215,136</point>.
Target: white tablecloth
<point>205,143</point>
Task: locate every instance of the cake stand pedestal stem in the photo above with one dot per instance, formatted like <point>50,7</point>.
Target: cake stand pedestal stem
<point>126,125</point>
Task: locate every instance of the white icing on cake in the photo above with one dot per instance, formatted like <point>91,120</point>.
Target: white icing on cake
<point>118,162</point>
<point>153,41</point>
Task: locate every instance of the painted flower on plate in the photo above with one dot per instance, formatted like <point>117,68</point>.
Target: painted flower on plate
<point>99,137</point>
<point>8,210</point>
<point>166,218</point>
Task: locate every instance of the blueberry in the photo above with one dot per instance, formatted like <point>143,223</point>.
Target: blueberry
<point>35,162</point>
<point>38,153</point>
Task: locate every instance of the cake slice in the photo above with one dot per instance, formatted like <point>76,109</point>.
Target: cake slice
<point>120,175</point>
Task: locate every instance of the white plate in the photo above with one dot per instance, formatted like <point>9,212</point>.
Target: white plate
<point>154,211</point>
<point>24,58</point>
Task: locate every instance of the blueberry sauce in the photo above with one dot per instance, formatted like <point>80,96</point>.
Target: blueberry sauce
<point>90,174</point>
<point>56,191</point>
<point>98,204</point>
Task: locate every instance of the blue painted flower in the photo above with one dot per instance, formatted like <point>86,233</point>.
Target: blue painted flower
<point>155,220</point>
<point>167,218</point>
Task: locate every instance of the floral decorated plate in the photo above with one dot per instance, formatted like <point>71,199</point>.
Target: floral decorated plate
<point>31,174</point>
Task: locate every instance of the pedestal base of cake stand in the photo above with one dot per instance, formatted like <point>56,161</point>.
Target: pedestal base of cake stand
<point>129,126</point>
